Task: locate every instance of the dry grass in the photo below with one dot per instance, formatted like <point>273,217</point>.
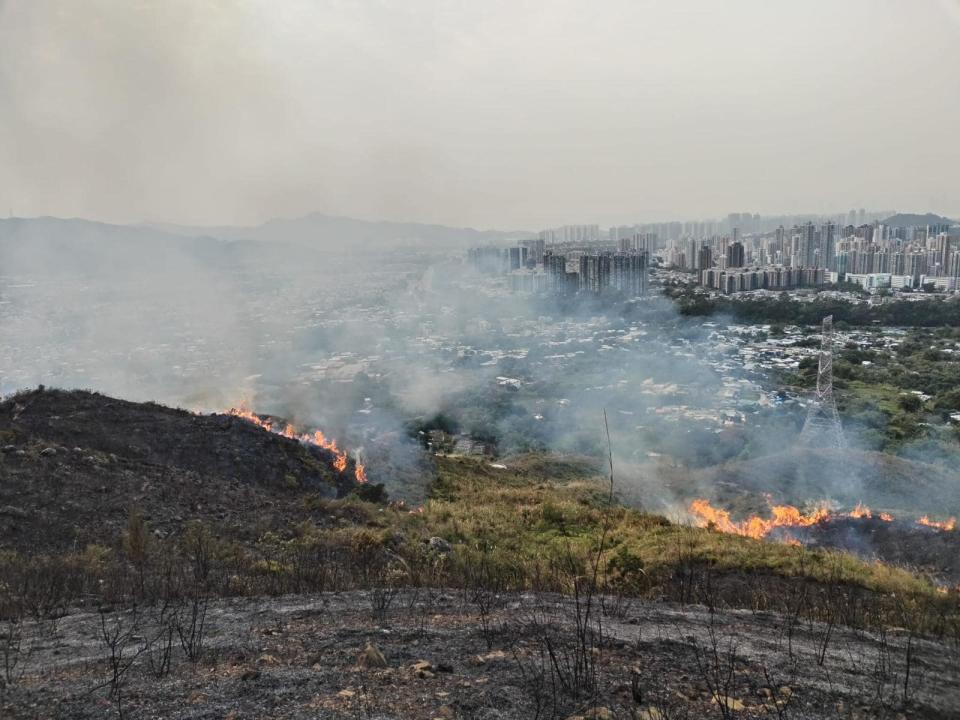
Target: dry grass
<point>534,513</point>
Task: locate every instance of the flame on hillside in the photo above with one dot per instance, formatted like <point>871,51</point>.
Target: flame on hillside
<point>316,438</point>
<point>950,524</point>
<point>755,526</point>
<point>788,516</point>
<point>361,471</point>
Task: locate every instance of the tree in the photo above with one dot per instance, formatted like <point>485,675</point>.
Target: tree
<point>910,403</point>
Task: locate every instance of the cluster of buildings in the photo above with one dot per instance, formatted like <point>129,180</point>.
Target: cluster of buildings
<point>494,260</point>
<point>875,282</point>
<point>873,255</point>
<point>773,277</point>
<point>741,252</point>
<point>744,223</point>
<point>574,266</point>
<point>570,234</point>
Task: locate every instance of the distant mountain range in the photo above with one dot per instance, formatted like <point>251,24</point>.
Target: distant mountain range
<point>317,229</point>
<point>914,219</point>
<point>51,246</point>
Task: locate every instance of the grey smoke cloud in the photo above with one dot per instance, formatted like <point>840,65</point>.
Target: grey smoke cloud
<point>509,114</point>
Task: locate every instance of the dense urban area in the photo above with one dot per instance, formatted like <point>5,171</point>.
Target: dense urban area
<point>745,252</point>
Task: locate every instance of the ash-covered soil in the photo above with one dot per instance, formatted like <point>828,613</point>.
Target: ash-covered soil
<point>308,657</point>
<point>73,464</point>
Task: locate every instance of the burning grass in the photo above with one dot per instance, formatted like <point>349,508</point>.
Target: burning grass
<point>529,518</point>
<point>315,438</point>
<point>788,517</point>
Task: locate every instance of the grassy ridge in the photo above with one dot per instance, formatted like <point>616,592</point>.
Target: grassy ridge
<point>535,525</point>
<point>541,509</point>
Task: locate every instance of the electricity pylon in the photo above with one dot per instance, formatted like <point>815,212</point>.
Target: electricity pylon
<point>822,428</point>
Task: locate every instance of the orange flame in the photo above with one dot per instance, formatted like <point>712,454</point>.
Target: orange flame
<point>316,438</point>
<point>948,525</point>
<point>755,526</point>
<point>787,516</point>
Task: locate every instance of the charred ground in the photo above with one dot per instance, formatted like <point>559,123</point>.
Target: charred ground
<point>74,464</point>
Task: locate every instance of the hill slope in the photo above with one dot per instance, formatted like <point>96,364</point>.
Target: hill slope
<point>49,247</point>
<point>321,231</point>
<point>74,464</point>
<point>913,219</point>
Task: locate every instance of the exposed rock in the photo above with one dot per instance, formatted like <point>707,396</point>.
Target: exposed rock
<point>497,656</point>
<point>731,703</point>
<point>47,452</point>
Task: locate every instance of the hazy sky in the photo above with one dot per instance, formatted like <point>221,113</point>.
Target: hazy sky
<point>490,113</point>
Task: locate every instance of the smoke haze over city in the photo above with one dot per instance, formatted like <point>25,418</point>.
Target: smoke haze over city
<point>495,114</point>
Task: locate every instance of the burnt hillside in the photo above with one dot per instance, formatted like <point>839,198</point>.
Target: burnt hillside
<point>74,464</point>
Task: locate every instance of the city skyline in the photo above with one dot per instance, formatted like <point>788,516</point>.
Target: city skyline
<point>743,252</point>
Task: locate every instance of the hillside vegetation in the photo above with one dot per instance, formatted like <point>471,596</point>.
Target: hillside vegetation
<point>517,590</point>
<point>177,504</point>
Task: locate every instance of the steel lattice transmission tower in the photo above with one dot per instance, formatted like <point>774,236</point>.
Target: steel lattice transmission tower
<point>822,428</point>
